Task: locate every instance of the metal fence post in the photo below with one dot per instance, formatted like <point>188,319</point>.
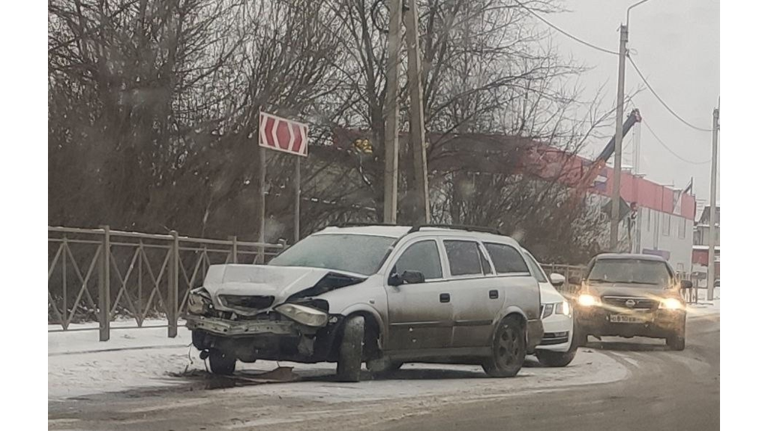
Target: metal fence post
<point>173,288</point>
<point>567,279</point>
<point>104,291</point>
<point>234,248</point>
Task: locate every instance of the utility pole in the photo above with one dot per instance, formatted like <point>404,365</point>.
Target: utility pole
<point>391,127</point>
<point>417,133</point>
<point>713,206</point>
<point>616,195</point>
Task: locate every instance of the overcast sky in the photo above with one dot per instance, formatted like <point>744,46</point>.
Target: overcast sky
<point>676,44</point>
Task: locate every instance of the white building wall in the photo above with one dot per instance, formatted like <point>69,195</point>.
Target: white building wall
<point>655,231</point>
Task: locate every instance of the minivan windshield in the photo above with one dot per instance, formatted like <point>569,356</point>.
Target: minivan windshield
<point>630,271</point>
<point>359,254</point>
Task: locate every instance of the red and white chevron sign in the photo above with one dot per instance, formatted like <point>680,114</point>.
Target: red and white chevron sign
<point>281,134</point>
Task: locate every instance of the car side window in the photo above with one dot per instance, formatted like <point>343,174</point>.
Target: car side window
<point>464,257</point>
<point>421,257</point>
<point>506,259</point>
<point>535,269</point>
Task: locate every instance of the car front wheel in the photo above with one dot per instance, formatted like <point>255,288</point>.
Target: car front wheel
<point>351,350</point>
<point>677,340</point>
<point>221,363</point>
<point>549,358</point>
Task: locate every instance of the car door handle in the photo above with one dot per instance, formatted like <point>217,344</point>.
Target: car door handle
<point>493,294</point>
<point>445,297</point>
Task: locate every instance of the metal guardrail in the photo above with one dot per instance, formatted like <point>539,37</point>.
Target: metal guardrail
<point>100,274</point>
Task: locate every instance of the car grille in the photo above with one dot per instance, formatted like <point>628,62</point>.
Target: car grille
<point>630,303</point>
<point>551,338</point>
<point>252,302</point>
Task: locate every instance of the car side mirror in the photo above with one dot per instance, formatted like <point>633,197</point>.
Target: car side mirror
<point>556,279</point>
<point>686,284</point>
<point>407,277</point>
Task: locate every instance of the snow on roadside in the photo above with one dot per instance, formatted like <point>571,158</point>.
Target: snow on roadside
<point>124,334</point>
<point>704,307</point>
<point>80,365</point>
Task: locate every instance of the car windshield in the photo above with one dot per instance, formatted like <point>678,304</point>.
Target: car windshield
<point>630,271</point>
<point>359,254</point>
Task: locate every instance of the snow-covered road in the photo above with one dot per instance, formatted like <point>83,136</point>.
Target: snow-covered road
<point>135,359</point>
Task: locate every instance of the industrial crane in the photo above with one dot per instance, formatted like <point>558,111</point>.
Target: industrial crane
<point>589,177</point>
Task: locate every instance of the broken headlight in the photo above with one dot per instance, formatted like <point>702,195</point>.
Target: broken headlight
<point>198,302</point>
<point>305,315</point>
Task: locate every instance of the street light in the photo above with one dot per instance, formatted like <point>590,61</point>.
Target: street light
<point>616,192</point>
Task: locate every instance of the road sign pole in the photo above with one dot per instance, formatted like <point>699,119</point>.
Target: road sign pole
<point>287,136</point>
<point>262,200</point>
<point>297,202</point>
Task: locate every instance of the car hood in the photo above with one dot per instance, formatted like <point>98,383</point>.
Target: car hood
<point>264,280</point>
<point>625,289</point>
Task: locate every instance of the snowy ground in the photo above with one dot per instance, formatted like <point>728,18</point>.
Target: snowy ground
<point>704,307</point>
<point>137,359</point>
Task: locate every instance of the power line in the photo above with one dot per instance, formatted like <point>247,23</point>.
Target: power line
<point>645,122</point>
<point>647,84</point>
<point>583,42</point>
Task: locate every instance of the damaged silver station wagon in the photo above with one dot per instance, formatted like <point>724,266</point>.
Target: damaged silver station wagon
<point>383,295</point>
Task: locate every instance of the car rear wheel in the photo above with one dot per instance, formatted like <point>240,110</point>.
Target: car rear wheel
<point>508,349</point>
<point>221,363</point>
<point>351,350</point>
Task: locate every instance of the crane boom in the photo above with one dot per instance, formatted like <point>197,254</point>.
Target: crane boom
<point>634,117</point>
<point>589,178</point>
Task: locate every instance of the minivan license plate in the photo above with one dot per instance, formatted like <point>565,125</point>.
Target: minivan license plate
<point>623,318</point>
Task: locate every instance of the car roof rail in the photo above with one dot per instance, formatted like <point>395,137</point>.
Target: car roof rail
<point>362,224</point>
<point>469,228</point>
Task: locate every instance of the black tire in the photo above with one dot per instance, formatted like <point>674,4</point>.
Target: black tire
<point>221,363</point>
<point>580,338</point>
<point>677,341</point>
<point>383,366</point>
<point>508,349</point>
<point>549,358</point>
<point>351,350</point>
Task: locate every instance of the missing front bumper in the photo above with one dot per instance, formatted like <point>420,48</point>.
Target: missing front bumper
<point>232,328</point>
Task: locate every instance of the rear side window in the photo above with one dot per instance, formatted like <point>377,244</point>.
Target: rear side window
<point>506,259</point>
<point>421,257</point>
<point>464,257</point>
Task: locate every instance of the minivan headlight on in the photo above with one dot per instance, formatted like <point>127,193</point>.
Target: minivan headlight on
<point>672,304</point>
<point>586,300</point>
<point>563,308</point>
<point>305,315</point>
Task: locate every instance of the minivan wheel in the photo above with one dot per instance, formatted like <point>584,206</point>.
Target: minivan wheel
<point>221,363</point>
<point>508,349</point>
<point>351,350</point>
<point>677,341</point>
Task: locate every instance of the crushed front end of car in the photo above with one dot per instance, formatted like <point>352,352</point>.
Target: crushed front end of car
<point>252,312</point>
